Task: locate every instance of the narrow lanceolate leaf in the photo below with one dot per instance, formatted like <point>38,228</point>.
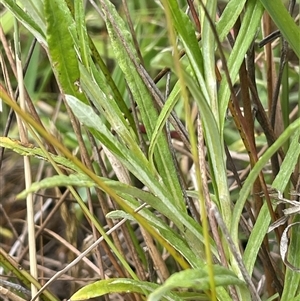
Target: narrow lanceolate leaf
<point>79,17</point>
<point>229,16</point>
<point>33,151</point>
<point>215,149</point>
<point>126,58</point>
<point>76,180</point>
<point>196,278</point>
<point>35,9</point>
<point>187,35</point>
<point>119,285</point>
<point>256,237</point>
<point>100,96</point>
<point>252,16</point>
<point>26,19</point>
<point>261,163</point>
<point>61,46</point>
<point>163,117</point>
<point>288,165</point>
<point>208,50</point>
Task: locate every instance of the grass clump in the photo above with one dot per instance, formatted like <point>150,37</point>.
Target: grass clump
<point>158,144</point>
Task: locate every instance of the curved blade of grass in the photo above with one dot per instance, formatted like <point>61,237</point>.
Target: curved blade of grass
<point>284,22</point>
<point>196,278</point>
<point>288,165</point>
<point>208,51</point>
<point>229,16</point>
<point>134,162</point>
<point>166,209</point>
<point>238,208</point>
<point>256,238</point>
<point>250,23</point>
<point>179,242</point>
<point>102,80</point>
<point>30,150</point>
<point>187,35</point>
<point>162,118</point>
<point>215,149</point>
<point>173,238</point>
<point>169,211</point>
<point>26,20</point>
<point>36,10</point>
<point>126,57</point>
<point>102,99</point>
<point>118,285</point>
<point>76,180</point>
<point>79,18</point>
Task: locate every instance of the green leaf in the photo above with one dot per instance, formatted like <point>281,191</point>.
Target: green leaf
<point>89,118</point>
<point>130,156</point>
<point>284,22</point>
<point>274,297</point>
<point>118,285</point>
<point>208,51</point>
<point>197,279</point>
<point>100,96</point>
<point>35,9</point>
<point>179,242</point>
<point>238,208</point>
<point>229,16</point>
<point>79,18</point>
<point>256,238</point>
<point>186,31</point>
<point>288,165</point>
<point>79,180</point>
<point>215,149</point>
<point>61,46</point>
<point>126,56</point>
<point>30,150</point>
<point>250,23</point>
<point>119,214</point>
<point>165,207</point>
<point>163,117</point>
<point>33,25</point>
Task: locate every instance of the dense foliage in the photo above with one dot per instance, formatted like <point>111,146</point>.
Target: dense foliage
<point>150,150</point>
